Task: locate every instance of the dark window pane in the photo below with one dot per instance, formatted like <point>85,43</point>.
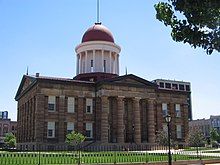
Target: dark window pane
<point>187,87</point>
<point>174,86</point>
<point>168,85</point>
<point>181,87</point>
<point>161,84</point>
<point>88,133</point>
<point>50,132</point>
<point>88,109</point>
<point>69,131</point>
<point>51,107</point>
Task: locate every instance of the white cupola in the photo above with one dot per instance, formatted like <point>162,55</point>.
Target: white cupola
<point>97,53</point>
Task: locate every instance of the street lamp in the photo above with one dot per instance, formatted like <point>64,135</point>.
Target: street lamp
<point>168,120</point>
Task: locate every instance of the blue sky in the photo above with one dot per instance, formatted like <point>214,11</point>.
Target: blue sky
<point>43,34</point>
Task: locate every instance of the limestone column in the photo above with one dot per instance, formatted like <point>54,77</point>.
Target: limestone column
<point>110,62</point>
<point>94,61</point>
<point>185,120</point>
<point>137,120</point>
<point>104,119</point>
<point>118,64</point>
<point>61,137</point>
<point>80,112</point>
<point>77,64</point>
<point>151,122</point>
<point>39,117</point>
<point>120,130</point>
<point>80,63</point>
<point>86,63</point>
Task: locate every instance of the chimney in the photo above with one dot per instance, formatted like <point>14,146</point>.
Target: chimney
<point>37,74</point>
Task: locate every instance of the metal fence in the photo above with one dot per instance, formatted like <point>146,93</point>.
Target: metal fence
<point>104,157</point>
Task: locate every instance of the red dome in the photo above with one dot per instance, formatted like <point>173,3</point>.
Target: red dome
<point>98,32</point>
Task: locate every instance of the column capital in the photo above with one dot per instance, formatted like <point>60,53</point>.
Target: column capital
<point>151,100</point>
<point>137,98</point>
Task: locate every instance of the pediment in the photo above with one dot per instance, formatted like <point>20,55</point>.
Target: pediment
<point>26,82</point>
<point>131,80</point>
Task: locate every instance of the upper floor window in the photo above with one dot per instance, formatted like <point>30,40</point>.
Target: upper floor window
<point>187,88</point>
<point>164,109</point>
<point>168,85</point>
<point>70,127</point>
<point>161,84</point>
<point>175,86</point>
<point>51,103</point>
<point>181,87</point>
<point>178,111</point>
<point>89,106</point>
<point>71,104</point>
<point>51,129</point>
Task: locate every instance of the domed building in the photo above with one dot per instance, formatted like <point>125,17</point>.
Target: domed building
<point>108,108</point>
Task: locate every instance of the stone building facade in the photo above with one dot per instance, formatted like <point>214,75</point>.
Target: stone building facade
<point>205,125</point>
<point>97,102</point>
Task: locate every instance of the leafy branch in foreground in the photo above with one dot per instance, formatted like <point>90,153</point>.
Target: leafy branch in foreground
<point>196,22</point>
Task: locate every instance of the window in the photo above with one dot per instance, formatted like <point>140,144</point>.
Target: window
<point>51,103</point>
<point>89,130</point>
<point>187,88</point>
<point>71,104</point>
<point>164,109</point>
<point>104,65</point>
<point>175,86</point>
<point>70,127</point>
<point>177,108</point>
<point>92,66</point>
<point>178,131</point>
<point>181,87</point>
<point>51,129</point>
<point>161,84</point>
<point>89,108</point>
<point>168,85</point>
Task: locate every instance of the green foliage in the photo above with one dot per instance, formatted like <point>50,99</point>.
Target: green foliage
<point>74,138</point>
<point>196,138</point>
<point>10,140</point>
<point>214,135</point>
<point>196,22</point>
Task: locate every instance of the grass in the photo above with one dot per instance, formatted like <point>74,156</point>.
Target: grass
<point>46,158</point>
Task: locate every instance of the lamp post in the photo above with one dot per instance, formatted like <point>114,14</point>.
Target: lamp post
<point>168,120</point>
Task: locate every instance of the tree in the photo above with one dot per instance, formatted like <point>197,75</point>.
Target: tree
<point>196,22</point>
<point>10,140</point>
<point>162,138</point>
<point>196,139</point>
<point>214,137</point>
<point>75,139</point>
